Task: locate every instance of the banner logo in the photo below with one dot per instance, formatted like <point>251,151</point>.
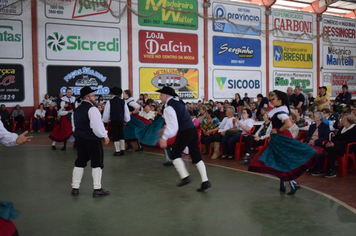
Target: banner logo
<point>55,42</point>
<point>292,55</point>
<point>221,81</point>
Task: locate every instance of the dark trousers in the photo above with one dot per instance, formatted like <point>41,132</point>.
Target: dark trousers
<point>117,130</point>
<point>188,137</point>
<point>250,142</point>
<point>36,124</point>
<point>228,143</point>
<point>212,138</point>
<point>20,121</point>
<point>331,157</point>
<point>89,150</point>
<point>7,124</point>
<point>49,124</point>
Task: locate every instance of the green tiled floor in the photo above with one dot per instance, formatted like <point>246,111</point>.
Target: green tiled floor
<point>145,201</point>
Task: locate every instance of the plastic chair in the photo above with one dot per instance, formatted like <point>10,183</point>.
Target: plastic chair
<point>239,148</point>
<point>343,161</point>
<point>266,142</point>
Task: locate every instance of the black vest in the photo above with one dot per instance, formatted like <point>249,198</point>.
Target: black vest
<point>277,123</point>
<point>82,122</point>
<point>183,117</point>
<point>117,109</point>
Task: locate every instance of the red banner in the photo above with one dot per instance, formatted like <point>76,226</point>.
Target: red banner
<point>164,47</point>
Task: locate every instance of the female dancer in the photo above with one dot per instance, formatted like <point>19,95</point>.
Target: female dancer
<point>284,157</point>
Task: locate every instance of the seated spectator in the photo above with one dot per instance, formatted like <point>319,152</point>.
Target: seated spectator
<point>210,122</point>
<point>19,116</point>
<point>310,98</point>
<point>100,100</point>
<point>337,147</point>
<point>38,118</point>
<point>257,139</point>
<point>190,107</point>
<point>5,117</point>
<point>262,102</point>
<point>147,113</point>
<point>229,141</point>
<point>263,112</point>
<point>294,129</point>
<point>50,118</point>
<point>226,124</point>
<point>220,112</point>
<point>254,111</point>
<point>133,106</point>
<point>334,115</point>
<point>202,113</point>
<point>58,100</point>
<point>100,108</point>
<point>195,120</point>
<point>140,100</point>
<point>46,101</point>
<point>326,112</point>
<point>270,105</point>
<point>300,122</point>
<point>318,132</point>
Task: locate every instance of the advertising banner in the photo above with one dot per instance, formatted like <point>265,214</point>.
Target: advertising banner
<point>285,79</point>
<point>292,24</point>
<point>292,55</point>
<point>339,79</point>
<point>11,39</point>
<point>236,51</point>
<point>236,19</point>
<point>184,81</point>
<point>10,7</point>
<point>82,43</point>
<point>12,83</point>
<point>228,82</point>
<point>94,10</point>
<point>102,78</point>
<point>168,13</point>
<point>339,30</point>
<point>165,47</point>
<point>339,57</point>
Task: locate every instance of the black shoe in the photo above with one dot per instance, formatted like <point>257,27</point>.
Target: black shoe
<point>139,149</point>
<point>129,146</point>
<point>292,192</point>
<point>317,173</point>
<point>117,154</point>
<point>330,174</point>
<point>75,191</point>
<point>100,192</point>
<point>282,189</point>
<point>63,148</point>
<point>230,158</point>
<point>204,186</point>
<point>54,148</point>
<point>244,162</point>
<point>184,181</point>
<point>168,163</point>
<point>296,185</point>
<point>222,157</point>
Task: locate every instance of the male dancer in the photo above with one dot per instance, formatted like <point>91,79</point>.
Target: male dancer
<point>89,130</point>
<point>178,120</point>
<point>117,112</point>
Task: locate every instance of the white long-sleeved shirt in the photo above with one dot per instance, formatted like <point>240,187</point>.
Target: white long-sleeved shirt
<point>268,131</point>
<point>226,124</point>
<point>7,138</point>
<point>170,117</point>
<point>40,113</point>
<point>63,103</point>
<point>96,124</point>
<point>149,116</point>
<point>106,114</point>
<point>131,102</point>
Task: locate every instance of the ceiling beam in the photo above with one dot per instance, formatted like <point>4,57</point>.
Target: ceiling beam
<point>351,14</point>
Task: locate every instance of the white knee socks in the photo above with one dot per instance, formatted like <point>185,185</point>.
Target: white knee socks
<point>77,177</point>
<point>96,173</point>
<point>117,146</point>
<point>202,170</point>
<point>180,167</point>
<point>122,144</point>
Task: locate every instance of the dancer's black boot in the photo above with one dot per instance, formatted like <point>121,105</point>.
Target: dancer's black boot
<point>293,188</point>
<point>64,146</point>
<point>282,187</point>
<point>139,147</point>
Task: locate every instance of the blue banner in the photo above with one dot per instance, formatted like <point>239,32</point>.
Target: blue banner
<point>236,19</point>
<point>236,51</point>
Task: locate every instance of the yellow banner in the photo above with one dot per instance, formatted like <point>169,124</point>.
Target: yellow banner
<point>183,81</point>
<point>292,55</point>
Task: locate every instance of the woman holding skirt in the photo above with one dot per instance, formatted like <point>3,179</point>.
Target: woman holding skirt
<point>284,157</point>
